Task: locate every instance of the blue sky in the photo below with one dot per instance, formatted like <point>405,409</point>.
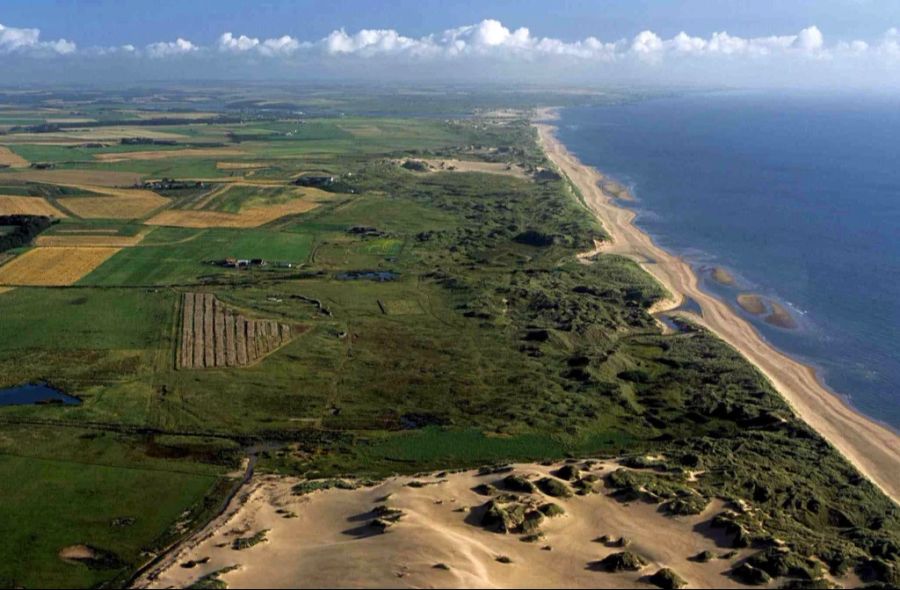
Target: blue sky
<point>738,42</point>
<point>115,22</point>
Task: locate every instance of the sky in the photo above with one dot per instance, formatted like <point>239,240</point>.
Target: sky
<point>778,43</point>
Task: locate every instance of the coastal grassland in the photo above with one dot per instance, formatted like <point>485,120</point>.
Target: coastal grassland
<point>173,256</point>
<point>104,496</point>
<point>96,319</point>
<point>487,341</point>
<point>193,167</point>
<point>91,342</point>
<point>237,197</point>
<point>80,475</point>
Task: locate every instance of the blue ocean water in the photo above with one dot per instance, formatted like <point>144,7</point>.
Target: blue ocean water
<point>797,195</point>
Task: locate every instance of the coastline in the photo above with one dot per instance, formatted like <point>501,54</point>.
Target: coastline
<point>872,448</point>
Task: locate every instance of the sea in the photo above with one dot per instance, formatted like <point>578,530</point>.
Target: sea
<point>796,194</point>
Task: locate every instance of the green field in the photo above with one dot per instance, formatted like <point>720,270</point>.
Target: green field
<point>174,256</point>
<point>83,318</point>
<point>487,341</point>
<point>49,504</point>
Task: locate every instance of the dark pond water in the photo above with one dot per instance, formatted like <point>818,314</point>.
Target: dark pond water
<point>35,393</point>
<point>367,275</point>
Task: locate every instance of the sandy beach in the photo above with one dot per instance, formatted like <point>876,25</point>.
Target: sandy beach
<point>325,539</point>
<point>871,447</point>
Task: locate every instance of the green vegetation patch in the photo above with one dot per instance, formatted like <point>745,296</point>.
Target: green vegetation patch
<point>94,319</point>
<point>173,256</point>
<point>50,505</point>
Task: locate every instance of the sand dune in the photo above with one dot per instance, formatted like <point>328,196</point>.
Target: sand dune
<point>326,540</point>
<point>873,448</point>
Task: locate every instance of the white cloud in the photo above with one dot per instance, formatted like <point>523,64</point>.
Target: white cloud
<point>369,42</point>
<point>285,45</point>
<point>228,42</point>
<point>810,39</point>
<point>281,46</point>
<point>647,43</point>
<point>14,40</point>
<point>168,49</point>
<point>477,45</point>
<point>890,43</point>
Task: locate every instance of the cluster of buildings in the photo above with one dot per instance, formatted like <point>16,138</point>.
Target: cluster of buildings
<point>251,262</point>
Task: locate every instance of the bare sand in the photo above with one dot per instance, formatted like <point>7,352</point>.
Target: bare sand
<point>324,540</point>
<point>873,448</point>
<point>452,165</point>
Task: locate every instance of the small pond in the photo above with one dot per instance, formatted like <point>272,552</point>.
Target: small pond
<point>35,393</point>
<point>367,275</point>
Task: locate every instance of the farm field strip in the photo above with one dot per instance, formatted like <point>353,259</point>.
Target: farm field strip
<point>90,240</point>
<point>12,159</point>
<point>117,203</point>
<point>15,205</point>
<point>75,178</point>
<point>165,154</point>
<point>52,267</point>
<point>214,335</point>
<point>240,165</point>
<point>246,218</point>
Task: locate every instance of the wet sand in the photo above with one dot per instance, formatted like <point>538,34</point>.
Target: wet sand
<point>871,447</point>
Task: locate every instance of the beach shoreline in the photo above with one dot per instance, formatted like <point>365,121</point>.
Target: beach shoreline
<point>873,448</point>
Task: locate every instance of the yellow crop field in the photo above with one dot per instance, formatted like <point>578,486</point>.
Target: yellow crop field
<point>111,133</point>
<point>12,159</point>
<point>51,267</point>
<point>76,177</point>
<point>164,154</point>
<point>120,204</point>
<point>239,165</point>
<point>249,217</point>
<point>88,240</point>
<point>13,205</point>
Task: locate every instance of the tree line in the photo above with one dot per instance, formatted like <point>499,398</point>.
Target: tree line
<point>25,229</point>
